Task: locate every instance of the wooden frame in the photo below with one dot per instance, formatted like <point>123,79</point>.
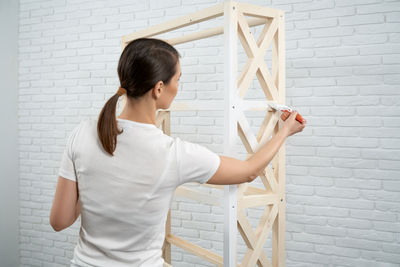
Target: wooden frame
<point>238,197</point>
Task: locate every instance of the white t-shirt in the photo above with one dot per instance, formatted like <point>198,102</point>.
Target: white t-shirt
<point>126,197</point>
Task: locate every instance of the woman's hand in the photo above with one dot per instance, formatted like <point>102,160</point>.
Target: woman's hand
<point>291,125</point>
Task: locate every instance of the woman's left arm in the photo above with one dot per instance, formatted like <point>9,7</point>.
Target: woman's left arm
<point>66,205</point>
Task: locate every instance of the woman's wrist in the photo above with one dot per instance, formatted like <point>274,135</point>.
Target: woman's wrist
<point>285,131</point>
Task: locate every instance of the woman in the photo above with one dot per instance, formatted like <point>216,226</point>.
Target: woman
<point>127,169</point>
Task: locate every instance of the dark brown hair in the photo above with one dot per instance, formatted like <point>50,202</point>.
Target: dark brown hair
<point>143,63</point>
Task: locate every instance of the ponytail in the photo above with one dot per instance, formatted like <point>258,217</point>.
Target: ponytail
<point>107,128</point>
<point>143,63</point>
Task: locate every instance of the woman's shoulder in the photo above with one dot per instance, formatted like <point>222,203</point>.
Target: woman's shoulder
<point>181,143</point>
<point>84,125</point>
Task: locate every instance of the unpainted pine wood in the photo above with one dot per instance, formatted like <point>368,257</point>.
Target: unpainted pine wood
<point>278,231</point>
<point>275,59</point>
<point>256,51</point>
<point>249,46</point>
<point>270,177</point>
<point>258,11</point>
<point>262,73</point>
<point>266,82</point>
<point>244,140</point>
<point>246,228</point>
<point>268,130</point>
<point>216,186</point>
<point>163,120</point>
<point>246,132</point>
<point>252,256</point>
<point>251,190</point>
<point>166,249</point>
<point>161,116</point>
<point>269,85</point>
<point>196,250</point>
<point>201,197</point>
<point>187,20</point>
<point>258,200</point>
<point>264,124</point>
<point>250,238</point>
<point>208,33</point>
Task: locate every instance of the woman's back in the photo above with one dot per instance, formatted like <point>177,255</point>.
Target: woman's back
<point>125,198</point>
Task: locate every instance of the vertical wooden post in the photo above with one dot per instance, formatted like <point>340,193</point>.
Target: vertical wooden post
<point>167,123</point>
<point>278,230</point>
<point>166,127</point>
<point>167,246</point>
<point>230,129</point>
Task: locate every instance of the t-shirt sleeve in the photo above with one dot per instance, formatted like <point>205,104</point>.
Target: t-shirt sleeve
<point>196,163</point>
<point>67,166</point>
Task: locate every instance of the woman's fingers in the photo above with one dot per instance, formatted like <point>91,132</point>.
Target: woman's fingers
<point>285,114</point>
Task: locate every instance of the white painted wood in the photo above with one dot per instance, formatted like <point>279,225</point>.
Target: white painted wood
<point>230,129</point>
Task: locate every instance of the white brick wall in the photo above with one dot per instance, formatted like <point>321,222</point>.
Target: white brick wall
<point>343,75</point>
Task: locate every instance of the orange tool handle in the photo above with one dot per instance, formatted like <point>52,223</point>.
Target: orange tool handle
<point>299,118</point>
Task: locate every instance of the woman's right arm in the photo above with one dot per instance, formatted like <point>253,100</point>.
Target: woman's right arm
<point>235,171</point>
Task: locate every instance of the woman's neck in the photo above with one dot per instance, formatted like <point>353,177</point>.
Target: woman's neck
<point>140,110</point>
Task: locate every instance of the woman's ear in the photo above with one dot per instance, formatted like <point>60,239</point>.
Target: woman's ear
<point>158,89</point>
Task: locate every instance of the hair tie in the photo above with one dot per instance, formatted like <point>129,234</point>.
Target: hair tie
<point>121,91</point>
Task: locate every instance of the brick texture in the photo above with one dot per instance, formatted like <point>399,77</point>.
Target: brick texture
<point>343,76</point>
